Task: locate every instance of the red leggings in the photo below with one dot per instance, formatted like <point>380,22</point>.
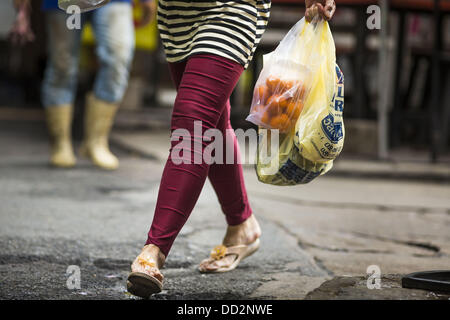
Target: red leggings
<point>204,84</point>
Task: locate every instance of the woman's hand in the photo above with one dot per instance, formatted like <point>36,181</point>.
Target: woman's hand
<point>324,8</point>
<point>21,32</point>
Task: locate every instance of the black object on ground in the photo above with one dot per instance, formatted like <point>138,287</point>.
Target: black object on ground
<point>428,280</point>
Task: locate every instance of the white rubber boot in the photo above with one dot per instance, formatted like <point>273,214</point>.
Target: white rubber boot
<point>59,123</point>
<point>98,120</point>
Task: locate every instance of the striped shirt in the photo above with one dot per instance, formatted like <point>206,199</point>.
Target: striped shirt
<point>228,28</point>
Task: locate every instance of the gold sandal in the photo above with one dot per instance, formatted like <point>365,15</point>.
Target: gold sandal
<point>240,251</point>
<point>141,284</point>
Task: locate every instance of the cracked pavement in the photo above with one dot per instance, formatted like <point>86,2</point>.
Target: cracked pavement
<point>317,242</point>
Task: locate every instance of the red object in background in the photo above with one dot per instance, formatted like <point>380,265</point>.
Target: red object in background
<point>415,24</point>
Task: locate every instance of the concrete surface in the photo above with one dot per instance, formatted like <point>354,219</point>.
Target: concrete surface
<point>317,242</point>
<point>154,144</point>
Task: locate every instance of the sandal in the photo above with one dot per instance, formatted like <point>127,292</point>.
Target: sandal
<point>143,285</point>
<point>241,251</point>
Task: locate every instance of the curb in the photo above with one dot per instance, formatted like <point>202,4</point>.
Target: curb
<point>343,168</point>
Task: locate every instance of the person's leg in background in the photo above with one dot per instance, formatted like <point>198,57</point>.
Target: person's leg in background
<point>206,85</point>
<point>224,177</point>
<point>229,176</point>
<point>114,32</point>
<point>59,86</point>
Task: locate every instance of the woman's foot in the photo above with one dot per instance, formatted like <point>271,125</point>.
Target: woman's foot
<point>149,261</point>
<point>245,233</point>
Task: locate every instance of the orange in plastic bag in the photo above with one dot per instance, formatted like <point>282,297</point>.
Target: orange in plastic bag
<point>277,103</point>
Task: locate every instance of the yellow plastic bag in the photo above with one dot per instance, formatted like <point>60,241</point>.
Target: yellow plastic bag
<point>309,146</point>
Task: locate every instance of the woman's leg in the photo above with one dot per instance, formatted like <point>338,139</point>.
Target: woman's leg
<point>205,87</point>
<point>114,32</point>
<point>59,86</point>
<point>60,78</point>
<point>228,182</point>
<point>227,178</point>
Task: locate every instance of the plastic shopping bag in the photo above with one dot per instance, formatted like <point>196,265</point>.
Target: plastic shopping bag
<point>300,92</point>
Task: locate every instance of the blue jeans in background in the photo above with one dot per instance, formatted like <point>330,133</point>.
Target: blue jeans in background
<point>114,33</point>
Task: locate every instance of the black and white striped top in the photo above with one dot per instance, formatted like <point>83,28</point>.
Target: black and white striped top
<point>230,29</point>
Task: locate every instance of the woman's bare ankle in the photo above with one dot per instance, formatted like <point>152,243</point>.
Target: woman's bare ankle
<point>244,233</point>
<point>149,261</point>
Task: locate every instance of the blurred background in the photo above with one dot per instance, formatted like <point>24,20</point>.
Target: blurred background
<point>385,203</point>
<point>411,95</point>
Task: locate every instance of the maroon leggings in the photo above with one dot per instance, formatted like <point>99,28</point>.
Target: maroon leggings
<point>204,84</point>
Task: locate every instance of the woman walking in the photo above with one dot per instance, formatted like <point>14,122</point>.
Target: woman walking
<point>114,32</point>
<point>208,44</point>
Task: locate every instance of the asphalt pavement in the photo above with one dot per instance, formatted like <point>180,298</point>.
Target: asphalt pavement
<point>318,240</point>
